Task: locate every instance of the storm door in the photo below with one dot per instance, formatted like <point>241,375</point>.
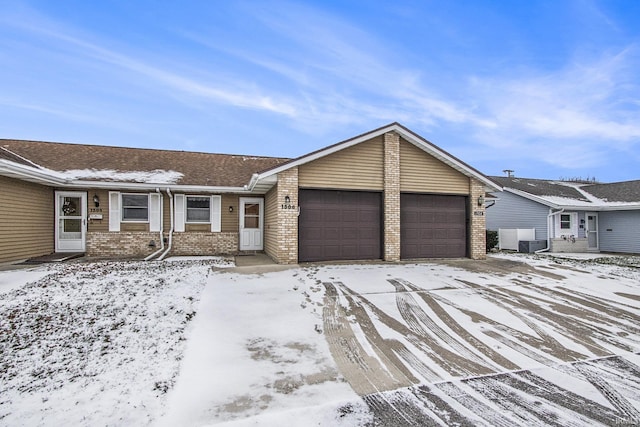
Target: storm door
<point>71,221</point>
<point>251,220</point>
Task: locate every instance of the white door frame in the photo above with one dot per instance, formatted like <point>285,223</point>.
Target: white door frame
<point>589,231</point>
<point>251,239</point>
<point>79,213</point>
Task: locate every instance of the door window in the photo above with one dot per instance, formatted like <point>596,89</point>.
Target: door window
<point>251,215</point>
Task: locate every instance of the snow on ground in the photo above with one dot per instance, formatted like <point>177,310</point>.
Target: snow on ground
<point>14,279</point>
<point>257,350</point>
<point>94,343</point>
<point>186,342</point>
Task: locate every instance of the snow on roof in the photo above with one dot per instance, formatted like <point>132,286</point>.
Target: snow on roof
<point>575,194</point>
<point>157,176</point>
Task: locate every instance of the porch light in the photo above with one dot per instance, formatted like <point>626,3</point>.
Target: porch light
<point>230,208</point>
<point>287,200</point>
<point>96,200</point>
<point>480,200</point>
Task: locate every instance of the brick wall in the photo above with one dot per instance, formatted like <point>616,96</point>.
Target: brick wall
<point>286,223</point>
<point>477,229</point>
<point>126,244</point>
<point>575,245</point>
<point>136,243</point>
<point>391,196</point>
<point>204,243</point>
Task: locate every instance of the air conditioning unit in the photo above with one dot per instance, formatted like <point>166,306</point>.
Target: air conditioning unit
<point>530,246</point>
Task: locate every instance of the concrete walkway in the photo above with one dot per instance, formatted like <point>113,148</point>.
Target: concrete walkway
<point>257,263</point>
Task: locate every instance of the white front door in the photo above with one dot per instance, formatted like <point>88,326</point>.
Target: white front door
<point>592,231</point>
<point>71,221</point>
<point>251,220</point>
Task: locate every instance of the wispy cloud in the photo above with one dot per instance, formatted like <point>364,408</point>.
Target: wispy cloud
<point>186,85</point>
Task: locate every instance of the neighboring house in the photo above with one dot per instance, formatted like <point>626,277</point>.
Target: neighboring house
<point>387,194</point>
<point>571,216</point>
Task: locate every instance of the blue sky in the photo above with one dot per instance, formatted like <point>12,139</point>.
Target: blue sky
<point>550,89</point>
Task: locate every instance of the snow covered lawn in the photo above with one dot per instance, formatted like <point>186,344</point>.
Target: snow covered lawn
<point>94,343</point>
<point>515,340</point>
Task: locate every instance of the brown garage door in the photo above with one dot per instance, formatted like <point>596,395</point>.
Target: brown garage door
<point>339,225</point>
<point>433,226</point>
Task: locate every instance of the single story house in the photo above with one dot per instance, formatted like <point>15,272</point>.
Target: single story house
<point>386,194</point>
<point>570,216</point>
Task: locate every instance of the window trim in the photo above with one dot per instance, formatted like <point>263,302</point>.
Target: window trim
<point>122,208</point>
<point>186,209</point>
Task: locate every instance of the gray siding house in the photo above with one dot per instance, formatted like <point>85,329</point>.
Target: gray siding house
<point>570,216</point>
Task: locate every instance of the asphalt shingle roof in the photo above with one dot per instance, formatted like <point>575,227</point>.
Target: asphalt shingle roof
<point>540,187</point>
<point>626,191</point>
<point>206,169</point>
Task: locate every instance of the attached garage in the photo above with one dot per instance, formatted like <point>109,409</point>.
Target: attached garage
<point>433,226</point>
<point>339,225</point>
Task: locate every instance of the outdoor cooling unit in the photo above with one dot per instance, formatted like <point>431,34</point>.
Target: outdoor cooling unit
<point>530,246</point>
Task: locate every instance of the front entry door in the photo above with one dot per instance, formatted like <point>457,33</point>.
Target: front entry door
<point>71,221</point>
<point>592,231</point>
<point>251,220</point>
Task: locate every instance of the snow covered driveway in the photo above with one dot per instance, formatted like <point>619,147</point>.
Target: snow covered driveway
<point>493,343</point>
<point>515,340</point>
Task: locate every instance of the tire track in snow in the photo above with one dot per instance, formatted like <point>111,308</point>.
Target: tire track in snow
<point>364,372</point>
<point>415,317</point>
<point>450,361</point>
<point>458,329</point>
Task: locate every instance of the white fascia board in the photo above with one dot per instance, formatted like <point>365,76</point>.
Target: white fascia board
<point>31,174</point>
<point>447,159</point>
<point>152,186</point>
<point>437,153</point>
<point>568,207</point>
<point>530,196</point>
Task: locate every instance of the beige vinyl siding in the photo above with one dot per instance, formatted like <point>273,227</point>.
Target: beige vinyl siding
<point>270,219</point>
<point>422,173</point>
<point>26,220</point>
<point>360,167</point>
<point>229,221</point>
<point>101,225</point>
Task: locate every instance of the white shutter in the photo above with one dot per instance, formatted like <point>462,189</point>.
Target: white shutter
<point>155,212</point>
<point>215,208</point>
<point>179,212</point>
<point>114,211</point>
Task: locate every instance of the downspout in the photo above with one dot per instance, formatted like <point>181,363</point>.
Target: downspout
<point>161,229</point>
<point>161,257</point>
<point>551,213</point>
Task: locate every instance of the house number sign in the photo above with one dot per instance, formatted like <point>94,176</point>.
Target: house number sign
<point>287,206</point>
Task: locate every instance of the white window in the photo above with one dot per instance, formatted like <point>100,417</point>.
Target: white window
<point>135,207</point>
<point>199,209</point>
<point>566,224</point>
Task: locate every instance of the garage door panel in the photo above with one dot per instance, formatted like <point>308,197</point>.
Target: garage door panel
<point>346,225</point>
<point>433,226</point>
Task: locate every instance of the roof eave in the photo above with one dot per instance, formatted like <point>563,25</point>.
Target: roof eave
<point>30,173</point>
<point>405,133</point>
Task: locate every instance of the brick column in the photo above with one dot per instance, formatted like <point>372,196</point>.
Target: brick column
<point>478,225</point>
<point>391,196</point>
<point>287,219</point>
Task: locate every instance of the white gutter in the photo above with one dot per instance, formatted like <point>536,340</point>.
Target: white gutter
<point>161,257</point>
<point>551,214</point>
<point>161,228</point>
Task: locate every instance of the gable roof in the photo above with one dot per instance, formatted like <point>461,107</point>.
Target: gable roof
<point>574,195</point>
<point>266,177</point>
<point>95,163</point>
<point>81,165</point>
